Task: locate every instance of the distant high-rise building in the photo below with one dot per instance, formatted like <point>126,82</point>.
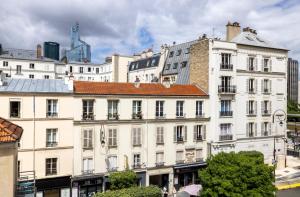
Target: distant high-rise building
<point>292,80</point>
<point>51,50</point>
<point>80,51</point>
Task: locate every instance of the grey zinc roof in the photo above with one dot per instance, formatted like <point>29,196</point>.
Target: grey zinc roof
<point>182,72</point>
<point>22,54</point>
<point>248,38</point>
<point>35,86</point>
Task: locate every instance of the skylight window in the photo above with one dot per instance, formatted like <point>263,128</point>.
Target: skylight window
<point>260,40</point>
<point>249,38</point>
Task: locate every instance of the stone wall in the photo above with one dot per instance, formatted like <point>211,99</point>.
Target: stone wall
<point>199,64</point>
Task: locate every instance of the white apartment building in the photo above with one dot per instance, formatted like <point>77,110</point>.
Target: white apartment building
<point>245,77</point>
<point>157,130</point>
<point>148,66</point>
<point>43,108</point>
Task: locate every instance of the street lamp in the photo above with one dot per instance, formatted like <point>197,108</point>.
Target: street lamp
<point>280,116</point>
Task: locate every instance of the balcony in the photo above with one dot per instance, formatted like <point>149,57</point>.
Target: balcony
<point>266,112</point>
<point>160,116</point>
<point>51,114</point>
<point>137,116</point>
<point>112,169</point>
<point>180,115</point>
<point>113,116</point>
<point>90,116</point>
<point>226,113</point>
<point>51,144</point>
<point>251,113</point>
<point>266,91</point>
<point>227,89</point>
<point>137,166</point>
<point>226,66</point>
<point>200,115</point>
<point>199,138</point>
<point>226,137</point>
<point>159,164</point>
<point>85,172</point>
<point>179,139</point>
<point>251,91</point>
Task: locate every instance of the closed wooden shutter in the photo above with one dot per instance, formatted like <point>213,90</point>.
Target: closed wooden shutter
<point>247,129</point>
<point>85,139</point>
<point>204,132</point>
<point>90,138</point>
<point>115,137</point>
<point>175,135</point>
<point>185,133</point>
<point>195,132</point>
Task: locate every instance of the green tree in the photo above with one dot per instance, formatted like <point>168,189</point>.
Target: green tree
<point>237,174</point>
<point>120,180</point>
<point>150,191</point>
<point>293,107</point>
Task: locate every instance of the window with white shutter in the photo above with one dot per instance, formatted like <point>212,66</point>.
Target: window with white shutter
<point>88,138</point>
<point>88,166</point>
<point>159,135</point>
<point>112,137</point>
<point>179,157</point>
<point>159,159</point>
<point>136,136</point>
<point>112,163</point>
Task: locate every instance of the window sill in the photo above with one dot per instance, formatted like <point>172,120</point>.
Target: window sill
<point>112,146</point>
<point>137,145</point>
<point>160,143</point>
<point>87,148</point>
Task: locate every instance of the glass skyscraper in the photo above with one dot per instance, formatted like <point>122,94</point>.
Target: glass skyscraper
<point>80,51</point>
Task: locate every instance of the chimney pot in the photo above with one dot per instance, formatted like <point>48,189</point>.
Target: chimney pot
<point>232,30</point>
<point>166,83</point>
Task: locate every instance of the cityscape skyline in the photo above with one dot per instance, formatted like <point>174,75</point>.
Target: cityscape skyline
<point>134,27</point>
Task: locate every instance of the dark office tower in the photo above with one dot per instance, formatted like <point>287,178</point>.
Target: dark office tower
<point>51,50</point>
<point>292,80</point>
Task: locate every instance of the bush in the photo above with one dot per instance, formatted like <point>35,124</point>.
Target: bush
<point>120,180</point>
<point>237,174</point>
<point>151,191</point>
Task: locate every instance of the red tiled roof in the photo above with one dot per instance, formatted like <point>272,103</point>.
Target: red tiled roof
<point>111,88</point>
<point>9,132</point>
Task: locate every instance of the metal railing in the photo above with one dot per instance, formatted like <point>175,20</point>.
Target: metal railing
<point>225,137</point>
<point>226,113</point>
<point>226,66</point>
<point>227,89</point>
<point>90,116</point>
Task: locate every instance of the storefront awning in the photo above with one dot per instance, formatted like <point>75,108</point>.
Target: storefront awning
<point>189,165</point>
<point>53,183</point>
<point>85,177</point>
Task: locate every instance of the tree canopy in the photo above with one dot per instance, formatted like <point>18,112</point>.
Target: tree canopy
<point>120,180</point>
<point>237,174</point>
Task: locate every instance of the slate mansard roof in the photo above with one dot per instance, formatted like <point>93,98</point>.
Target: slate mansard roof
<point>35,86</point>
<point>144,89</point>
<point>9,132</point>
<point>145,63</point>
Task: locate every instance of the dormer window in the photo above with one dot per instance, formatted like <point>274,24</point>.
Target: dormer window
<point>171,54</point>
<point>178,52</point>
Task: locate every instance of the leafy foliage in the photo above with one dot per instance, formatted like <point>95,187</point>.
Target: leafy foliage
<point>151,191</point>
<point>120,180</point>
<point>237,174</point>
<point>293,107</point>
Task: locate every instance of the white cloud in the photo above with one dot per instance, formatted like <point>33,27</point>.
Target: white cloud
<point>114,24</point>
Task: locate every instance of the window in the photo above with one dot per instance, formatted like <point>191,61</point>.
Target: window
<point>226,61</point>
<point>199,132</point>
<point>171,54</point>
<point>225,130</point>
<point>159,113</point>
<point>183,64</point>
<point>159,135</point>
<point>51,135</point>
<point>19,168</point>
<point>51,108</point>
<point>19,69</point>
<point>5,63</point>
<point>15,108</point>
<point>89,69</point>
<point>251,129</point>
<point>31,65</point>
<point>187,50</point>
<point>199,108</point>
<point>199,155</point>
<point>251,64</point>
<point>175,65</point>
<point>179,108</point>
<point>46,76</point>
<point>180,133</point>
<point>136,136</point>
<point>251,86</point>
<point>168,66</point>
<point>251,107</point>
<point>113,110</point>
<point>226,108</point>
<point>88,138</point>
<point>226,86</point>
<point>266,65</point>
<point>159,159</point>
<point>179,157</point>
<point>71,69</point>
<point>112,164</point>
<point>88,166</point>
<point>88,109</point>
<point>265,128</point>
<point>136,109</point>
<point>153,62</point>
<point>80,69</point>
<point>51,166</point>
<point>178,52</point>
<point>266,86</point>
<point>97,70</point>
<point>137,160</point>
<point>266,107</point>
<point>112,137</point>
<point>31,76</point>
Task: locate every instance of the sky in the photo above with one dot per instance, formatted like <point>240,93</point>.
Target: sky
<point>130,26</point>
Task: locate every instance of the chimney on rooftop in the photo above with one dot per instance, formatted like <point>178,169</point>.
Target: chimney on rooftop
<point>166,83</point>
<point>232,30</point>
<point>137,82</point>
<point>38,51</point>
<point>2,78</point>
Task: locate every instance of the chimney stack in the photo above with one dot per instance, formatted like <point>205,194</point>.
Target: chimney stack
<point>38,51</point>
<point>233,29</point>
<point>137,82</point>
<point>166,83</point>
